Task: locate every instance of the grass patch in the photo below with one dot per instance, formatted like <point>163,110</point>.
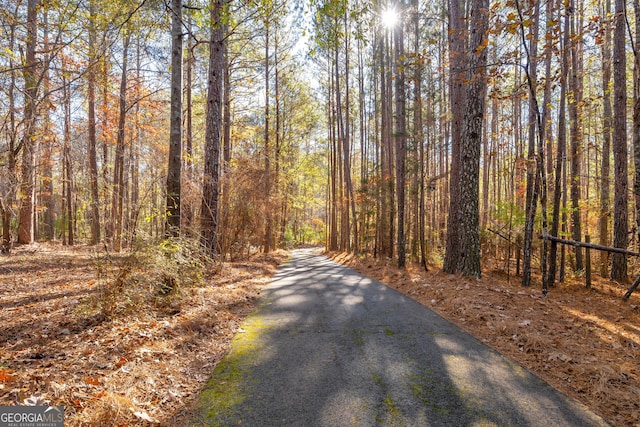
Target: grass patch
<point>225,389</point>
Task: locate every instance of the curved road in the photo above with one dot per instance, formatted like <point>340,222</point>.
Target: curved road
<point>331,347</point>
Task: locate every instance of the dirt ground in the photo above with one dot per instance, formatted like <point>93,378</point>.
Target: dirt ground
<point>140,369</point>
<point>585,342</point>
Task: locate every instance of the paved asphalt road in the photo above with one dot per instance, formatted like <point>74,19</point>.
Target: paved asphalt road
<point>331,347</point>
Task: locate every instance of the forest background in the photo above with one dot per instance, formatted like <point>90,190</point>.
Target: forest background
<point>365,126</point>
<point>451,135</point>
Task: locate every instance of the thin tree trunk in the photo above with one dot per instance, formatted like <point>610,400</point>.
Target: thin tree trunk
<point>561,153</point>
<point>401,140</point>
<point>68,176</point>
<point>575,120</point>
<point>267,155</point>
<point>531,203</point>
<point>118,171</point>
<point>31,81</point>
<point>94,211</point>
<point>605,170</point>
<point>6,204</point>
<point>419,136</point>
<point>46,162</point>
<point>226,138</point>
<point>187,210</point>
<point>351,202</point>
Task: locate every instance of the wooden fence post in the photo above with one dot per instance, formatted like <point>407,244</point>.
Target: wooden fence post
<point>587,262</point>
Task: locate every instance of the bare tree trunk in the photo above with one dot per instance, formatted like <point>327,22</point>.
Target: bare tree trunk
<point>351,202</point>
<point>91,105</point>
<point>26,231</point>
<point>531,203</point>
<point>66,158</point>
<point>575,131</point>
<point>636,119</point>
<point>174,167</point>
<point>457,45</point>
<point>118,171</point>
<point>211,181</point>
<point>46,160</point>
<point>186,211</point>
<point>226,138</point>
<point>401,140</point>
<point>605,170</point>
<point>620,210</point>
<point>471,140</point>
<point>419,136</point>
<point>267,159</point>
<point>7,202</point>
<point>561,152</point>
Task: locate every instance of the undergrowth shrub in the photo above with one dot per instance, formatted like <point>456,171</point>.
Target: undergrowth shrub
<point>152,275</point>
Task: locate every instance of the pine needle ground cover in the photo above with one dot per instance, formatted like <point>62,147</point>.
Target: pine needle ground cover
<point>143,358</point>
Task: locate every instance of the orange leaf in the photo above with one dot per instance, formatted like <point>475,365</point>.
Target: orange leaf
<point>5,377</point>
<point>92,380</point>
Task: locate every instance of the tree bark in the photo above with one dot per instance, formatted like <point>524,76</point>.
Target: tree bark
<point>560,155</point>
<point>533,162</point>
<point>211,181</point>
<point>620,210</point>
<point>575,131</point>
<point>175,134</point>
<point>8,200</point>
<point>26,231</point>
<point>118,170</point>
<point>471,140</point>
<point>636,120</point>
<point>418,135</point>
<point>605,169</point>
<point>457,45</point>
<point>91,106</point>
<point>401,140</point>
<point>267,156</point>
<point>66,158</point>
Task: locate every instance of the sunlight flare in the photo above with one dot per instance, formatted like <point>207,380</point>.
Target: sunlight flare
<point>389,17</point>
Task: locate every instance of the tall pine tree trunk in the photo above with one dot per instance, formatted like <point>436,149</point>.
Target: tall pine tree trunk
<point>401,140</point>
<point>267,156</point>
<point>575,131</point>
<point>457,35</point>
<point>471,140</point>
<point>636,120</point>
<point>211,181</point>
<point>605,169</point>
<point>26,232</point>
<point>533,179</point>
<point>418,135</point>
<point>118,170</point>
<point>175,134</point>
<point>94,210</point>
<point>620,203</point>
<point>561,152</point>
